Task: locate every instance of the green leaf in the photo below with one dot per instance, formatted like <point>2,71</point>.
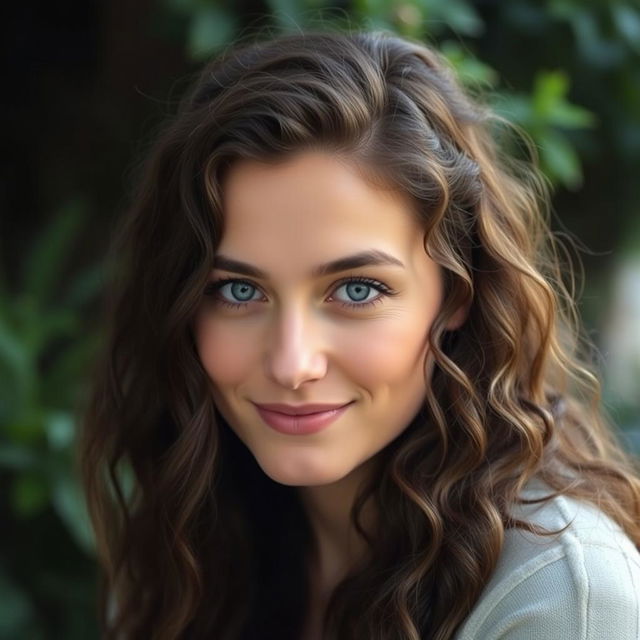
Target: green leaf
<point>29,428</point>
<point>58,323</point>
<point>550,105</point>
<point>287,14</point>
<point>29,494</point>
<point>469,69</point>
<point>46,260</point>
<point>561,8</point>
<point>571,116</point>
<point>67,374</point>
<point>15,609</point>
<point>60,429</point>
<point>549,88</point>
<point>17,376</point>
<point>514,107</point>
<point>69,504</point>
<point>86,285</point>
<point>211,28</point>
<point>627,22</point>
<point>559,160</point>
<point>460,16</point>
<point>126,478</point>
<point>17,457</point>
<point>373,11</point>
<point>596,49</point>
<point>374,21</point>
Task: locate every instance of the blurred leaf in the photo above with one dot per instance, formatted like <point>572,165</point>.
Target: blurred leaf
<point>17,377</point>
<point>86,285</point>
<point>15,609</point>
<point>29,494</point>
<point>60,430</point>
<point>70,506</point>
<point>559,159</point>
<point>372,9</point>
<point>405,18</point>
<point>595,48</point>
<point>469,69</point>
<point>126,478</point>
<point>627,136</point>
<point>211,28</point>
<point>540,115</point>
<point>571,116</point>
<point>378,21</point>
<point>514,107</point>
<point>550,105</point>
<point>458,15</point>
<point>561,8</point>
<point>58,323</point>
<point>69,595</point>
<point>549,88</point>
<point>72,363</point>
<point>627,22</point>
<point>48,255</point>
<point>28,429</point>
<point>288,14</point>
<point>409,18</point>
<point>16,457</point>
<point>525,16</point>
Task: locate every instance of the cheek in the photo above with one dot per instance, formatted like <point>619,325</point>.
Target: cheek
<point>227,357</point>
<point>385,351</point>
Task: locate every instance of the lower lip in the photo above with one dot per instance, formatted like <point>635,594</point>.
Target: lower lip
<point>302,424</point>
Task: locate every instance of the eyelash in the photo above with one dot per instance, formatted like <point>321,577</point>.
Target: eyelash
<point>214,286</point>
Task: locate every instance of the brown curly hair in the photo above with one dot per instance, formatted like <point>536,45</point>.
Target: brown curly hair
<point>176,501</point>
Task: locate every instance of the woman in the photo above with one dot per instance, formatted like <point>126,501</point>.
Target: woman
<point>342,373</point>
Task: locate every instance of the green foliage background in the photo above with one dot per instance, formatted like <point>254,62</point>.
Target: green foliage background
<point>567,72</point>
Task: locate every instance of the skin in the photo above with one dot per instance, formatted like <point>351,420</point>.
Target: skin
<point>295,343</point>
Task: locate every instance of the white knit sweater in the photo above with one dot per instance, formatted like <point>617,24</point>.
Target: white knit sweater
<point>583,584</point>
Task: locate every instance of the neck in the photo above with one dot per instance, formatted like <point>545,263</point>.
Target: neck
<point>338,546</point>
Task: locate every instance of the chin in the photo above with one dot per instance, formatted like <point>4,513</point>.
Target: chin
<point>300,472</point>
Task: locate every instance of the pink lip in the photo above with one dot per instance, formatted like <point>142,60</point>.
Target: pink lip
<point>301,423</point>
<point>301,409</point>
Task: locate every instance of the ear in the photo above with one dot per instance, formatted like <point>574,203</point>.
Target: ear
<point>459,317</point>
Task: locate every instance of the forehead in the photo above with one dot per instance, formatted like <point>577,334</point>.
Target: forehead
<point>312,204</point>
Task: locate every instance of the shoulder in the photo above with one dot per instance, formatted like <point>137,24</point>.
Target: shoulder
<point>582,583</point>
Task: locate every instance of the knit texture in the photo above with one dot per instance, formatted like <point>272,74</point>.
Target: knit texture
<point>581,584</point>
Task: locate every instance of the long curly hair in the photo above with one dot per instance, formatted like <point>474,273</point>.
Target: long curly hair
<point>193,539</point>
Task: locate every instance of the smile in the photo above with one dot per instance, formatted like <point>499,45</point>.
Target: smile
<point>303,424</point>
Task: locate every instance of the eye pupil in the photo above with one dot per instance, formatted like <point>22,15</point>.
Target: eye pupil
<point>357,290</point>
<point>242,291</point>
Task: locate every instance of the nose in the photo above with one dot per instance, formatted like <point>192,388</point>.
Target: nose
<point>295,353</point>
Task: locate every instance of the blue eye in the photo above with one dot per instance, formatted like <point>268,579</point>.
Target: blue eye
<point>241,290</point>
<point>358,290</point>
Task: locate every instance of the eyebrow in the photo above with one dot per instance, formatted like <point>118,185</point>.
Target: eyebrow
<point>371,257</point>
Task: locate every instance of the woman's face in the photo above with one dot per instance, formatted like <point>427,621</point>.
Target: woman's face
<point>295,335</point>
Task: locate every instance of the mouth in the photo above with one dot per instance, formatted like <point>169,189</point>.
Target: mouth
<point>301,410</point>
<point>301,423</point>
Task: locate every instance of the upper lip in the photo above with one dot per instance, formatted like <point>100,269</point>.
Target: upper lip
<point>302,409</point>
